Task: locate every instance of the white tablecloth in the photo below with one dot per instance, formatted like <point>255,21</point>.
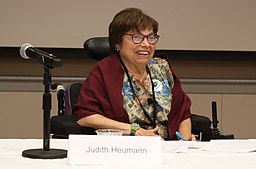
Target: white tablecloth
<point>174,158</point>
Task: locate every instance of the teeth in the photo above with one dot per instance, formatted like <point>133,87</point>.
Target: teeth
<point>143,53</point>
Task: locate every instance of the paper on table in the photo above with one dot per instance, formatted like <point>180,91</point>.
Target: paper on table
<point>181,146</point>
<point>232,146</point>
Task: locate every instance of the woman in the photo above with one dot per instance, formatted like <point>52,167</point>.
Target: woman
<point>132,91</point>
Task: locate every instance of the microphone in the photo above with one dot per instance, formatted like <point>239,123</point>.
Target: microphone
<point>27,51</point>
<point>60,97</point>
<point>152,101</point>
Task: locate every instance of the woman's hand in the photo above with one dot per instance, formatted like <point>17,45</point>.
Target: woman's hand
<point>144,132</point>
<point>192,138</point>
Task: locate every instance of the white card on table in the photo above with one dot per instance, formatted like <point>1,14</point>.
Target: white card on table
<point>117,150</point>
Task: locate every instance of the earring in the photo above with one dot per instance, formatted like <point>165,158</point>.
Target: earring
<point>117,50</point>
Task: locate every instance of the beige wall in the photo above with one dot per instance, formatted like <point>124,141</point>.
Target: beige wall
<point>184,24</point>
<point>22,114</point>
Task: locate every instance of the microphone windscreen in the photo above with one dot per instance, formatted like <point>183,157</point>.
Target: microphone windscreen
<point>60,87</point>
<point>23,49</point>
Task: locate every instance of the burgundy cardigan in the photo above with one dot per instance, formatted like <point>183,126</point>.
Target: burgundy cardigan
<point>101,93</point>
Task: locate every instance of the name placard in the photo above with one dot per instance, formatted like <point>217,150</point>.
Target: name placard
<point>117,150</point>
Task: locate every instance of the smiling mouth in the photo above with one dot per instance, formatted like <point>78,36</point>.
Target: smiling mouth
<point>143,53</point>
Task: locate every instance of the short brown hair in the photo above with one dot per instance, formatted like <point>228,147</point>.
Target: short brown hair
<point>129,19</point>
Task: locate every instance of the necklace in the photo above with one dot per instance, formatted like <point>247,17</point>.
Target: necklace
<point>141,78</point>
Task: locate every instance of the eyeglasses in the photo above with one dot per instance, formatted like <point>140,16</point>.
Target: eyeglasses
<point>138,38</point>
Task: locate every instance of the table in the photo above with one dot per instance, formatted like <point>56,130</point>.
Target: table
<point>11,158</point>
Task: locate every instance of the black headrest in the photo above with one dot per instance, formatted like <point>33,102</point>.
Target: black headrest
<point>97,47</point>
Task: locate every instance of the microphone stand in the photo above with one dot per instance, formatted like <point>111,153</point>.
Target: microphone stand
<point>46,152</point>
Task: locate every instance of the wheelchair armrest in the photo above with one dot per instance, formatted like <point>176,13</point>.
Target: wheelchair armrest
<point>201,125</point>
<point>62,126</point>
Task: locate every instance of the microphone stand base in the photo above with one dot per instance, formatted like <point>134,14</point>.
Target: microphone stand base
<point>45,154</point>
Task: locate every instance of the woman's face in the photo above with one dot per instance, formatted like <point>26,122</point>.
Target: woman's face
<point>138,54</point>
